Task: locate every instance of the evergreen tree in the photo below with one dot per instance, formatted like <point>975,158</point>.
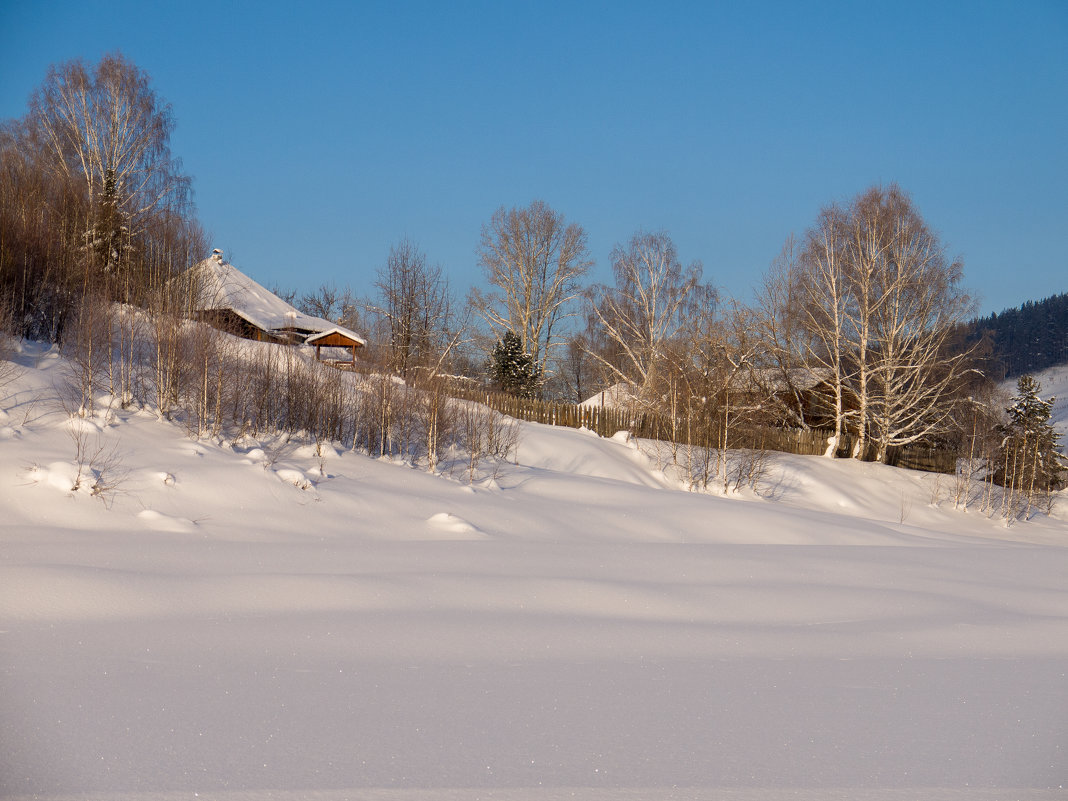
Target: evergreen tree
<point>110,240</point>
<point>1031,465</point>
<point>512,368</point>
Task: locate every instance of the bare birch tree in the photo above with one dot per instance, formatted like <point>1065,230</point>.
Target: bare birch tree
<point>653,301</point>
<point>875,302</point>
<point>804,303</point>
<point>105,129</point>
<point>776,320</point>
<point>327,302</point>
<point>415,301</point>
<point>573,378</point>
<point>105,121</point>
<point>42,226</point>
<point>908,302</point>
<point>536,260</point>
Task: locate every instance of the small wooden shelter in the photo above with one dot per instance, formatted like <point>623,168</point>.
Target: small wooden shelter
<point>336,337</point>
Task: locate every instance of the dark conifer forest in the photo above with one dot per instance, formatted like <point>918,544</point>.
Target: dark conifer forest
<point>1029,338</point>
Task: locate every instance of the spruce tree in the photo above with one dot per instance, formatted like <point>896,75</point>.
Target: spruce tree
<point>512,368</point>
<point>110,241</point>
<point>1031,464</point>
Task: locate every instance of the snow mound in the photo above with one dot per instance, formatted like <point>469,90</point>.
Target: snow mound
<point>83,425</point>
<point>564,450</point>
<point>167,478</point>
<point>323,451</point>
<point>295,477</point>
<point>63,476</point>
<point>445,523</point>
<point>161,522</point>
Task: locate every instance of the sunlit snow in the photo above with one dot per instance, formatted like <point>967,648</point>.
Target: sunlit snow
<point>260,619</point>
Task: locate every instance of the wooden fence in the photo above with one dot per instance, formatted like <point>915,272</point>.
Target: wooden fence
<point>606,421</point>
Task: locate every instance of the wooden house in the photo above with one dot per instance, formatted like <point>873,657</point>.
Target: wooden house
<point>229,300</point>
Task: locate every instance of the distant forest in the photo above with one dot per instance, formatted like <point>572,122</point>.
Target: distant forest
<point>1029,338</point>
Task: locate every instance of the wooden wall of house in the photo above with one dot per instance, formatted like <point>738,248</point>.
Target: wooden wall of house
<point>226,320</point>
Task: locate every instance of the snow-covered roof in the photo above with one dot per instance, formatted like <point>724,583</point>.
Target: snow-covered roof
<point>336,329</point>
<point>220,286</point>
<point>617,396</point>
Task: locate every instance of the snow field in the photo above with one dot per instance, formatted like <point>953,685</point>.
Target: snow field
<point>256,619</point>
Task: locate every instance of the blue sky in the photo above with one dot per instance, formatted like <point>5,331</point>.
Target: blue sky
<point>318,136</point>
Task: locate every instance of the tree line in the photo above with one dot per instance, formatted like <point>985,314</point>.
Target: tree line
<point>92,202</point>
<point>1028,338</point>
<point>858,326</point>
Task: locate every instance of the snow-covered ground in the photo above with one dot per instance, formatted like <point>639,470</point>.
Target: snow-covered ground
<point>254,620</point>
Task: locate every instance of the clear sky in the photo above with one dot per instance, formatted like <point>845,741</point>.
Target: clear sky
<point>317,134</point>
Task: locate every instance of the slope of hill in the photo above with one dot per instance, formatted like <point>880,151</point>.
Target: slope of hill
<point>258,619</point>
<point>1054,384</point>
<point>1054,381</point>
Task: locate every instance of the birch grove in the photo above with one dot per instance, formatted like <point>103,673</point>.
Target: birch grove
<point>876,302</point>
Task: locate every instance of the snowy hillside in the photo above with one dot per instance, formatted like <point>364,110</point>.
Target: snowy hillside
<point>255,619</point>
<point>1054,381</point>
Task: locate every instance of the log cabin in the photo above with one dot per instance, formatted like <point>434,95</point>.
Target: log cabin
<point>227,299</point>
